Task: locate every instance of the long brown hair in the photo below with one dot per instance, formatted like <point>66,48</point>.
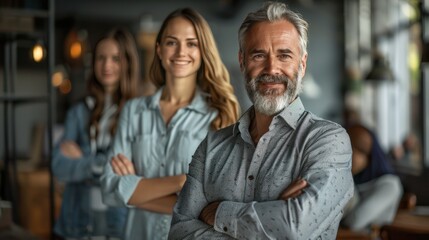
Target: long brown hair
<point>213,77</point>
<point>129,78</point>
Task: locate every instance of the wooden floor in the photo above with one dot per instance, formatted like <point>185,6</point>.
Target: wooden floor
<point>408,224</point>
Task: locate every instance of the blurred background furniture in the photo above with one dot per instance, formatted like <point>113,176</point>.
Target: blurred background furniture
<point>15,232</point>
<point>26,26</point>
<point>404,220</point>
<point>410,222</point>
<point>9,230</point>
<point>35,202</point>
<point>397,232</point>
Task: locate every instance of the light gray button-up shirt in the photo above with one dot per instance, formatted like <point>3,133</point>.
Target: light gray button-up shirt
<point>249,179</point>
<point>156,150</point>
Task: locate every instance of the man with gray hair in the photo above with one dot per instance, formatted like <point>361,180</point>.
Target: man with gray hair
<point>280,172</point>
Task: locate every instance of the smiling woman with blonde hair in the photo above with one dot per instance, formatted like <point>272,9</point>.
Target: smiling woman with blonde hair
<point>158,134</point>
<point>212,76</point>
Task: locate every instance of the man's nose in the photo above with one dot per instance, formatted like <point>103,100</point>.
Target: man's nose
<point>272,66</point>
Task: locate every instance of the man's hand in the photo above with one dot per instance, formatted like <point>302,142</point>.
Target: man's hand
<point>122,166</point>
<point>208,213</point>
<point>70,149</point>
<point>293,190</point>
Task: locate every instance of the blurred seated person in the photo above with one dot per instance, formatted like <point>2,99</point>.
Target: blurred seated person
<point>409,151</point>
<point>378,190</point>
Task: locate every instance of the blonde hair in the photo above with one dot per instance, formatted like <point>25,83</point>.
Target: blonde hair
<point>212,77</point>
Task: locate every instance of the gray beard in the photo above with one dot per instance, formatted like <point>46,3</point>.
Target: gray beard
<point>271,102</point>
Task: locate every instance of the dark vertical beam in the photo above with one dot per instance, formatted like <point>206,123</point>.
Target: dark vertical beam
<point>13,156</point>
<point>6,188</point>
<point>424,78</point>
<point>51,64</point>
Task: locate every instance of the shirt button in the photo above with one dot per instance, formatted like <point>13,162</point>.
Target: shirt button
<point>225,229</point>
<point>251,177</point>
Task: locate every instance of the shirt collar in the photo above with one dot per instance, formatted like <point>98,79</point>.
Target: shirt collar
<point>198,103</point>
<point>290,115</point>
<point>90,103</point>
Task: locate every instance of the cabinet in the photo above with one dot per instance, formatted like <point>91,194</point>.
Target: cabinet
<point>22,24</point>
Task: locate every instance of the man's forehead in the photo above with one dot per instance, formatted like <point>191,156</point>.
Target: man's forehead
<point>277,36</point>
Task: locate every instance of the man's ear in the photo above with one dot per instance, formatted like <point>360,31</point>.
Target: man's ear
<point>303,64</point>
<point>241,60</point>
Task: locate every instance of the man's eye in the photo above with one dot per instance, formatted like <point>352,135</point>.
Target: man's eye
<point>258,57</point>
<point>284,56</point>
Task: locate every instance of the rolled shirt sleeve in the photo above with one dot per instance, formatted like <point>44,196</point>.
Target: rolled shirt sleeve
<point>117,190</point>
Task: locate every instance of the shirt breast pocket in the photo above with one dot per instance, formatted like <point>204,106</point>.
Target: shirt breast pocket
<point>183,148</point>
<point>145,154</point>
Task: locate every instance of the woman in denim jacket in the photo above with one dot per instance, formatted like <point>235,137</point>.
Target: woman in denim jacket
<point>80,156</point>
<point>157,135</point>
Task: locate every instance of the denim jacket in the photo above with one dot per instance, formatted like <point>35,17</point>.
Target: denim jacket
<point>77,218</point>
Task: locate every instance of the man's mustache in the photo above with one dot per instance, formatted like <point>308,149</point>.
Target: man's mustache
<point>265,78</point>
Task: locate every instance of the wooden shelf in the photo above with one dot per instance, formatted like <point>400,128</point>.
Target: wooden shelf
<point>23,99</point>
<point>21,21</point>
<point>15,12</point>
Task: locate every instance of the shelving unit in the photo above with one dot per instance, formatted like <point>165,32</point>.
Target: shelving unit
<point>25,25</point>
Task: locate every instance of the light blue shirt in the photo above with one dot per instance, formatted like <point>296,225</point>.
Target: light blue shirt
<point>156,150</point>
<point>249,179</point>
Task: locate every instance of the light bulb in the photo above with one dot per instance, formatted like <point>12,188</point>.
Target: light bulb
<point>38,52</point>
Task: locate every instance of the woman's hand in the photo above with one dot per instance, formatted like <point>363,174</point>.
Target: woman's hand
<point>70,149</point>
<point>122,166</point>
<point>294,189</point>
<point>208,214</point>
